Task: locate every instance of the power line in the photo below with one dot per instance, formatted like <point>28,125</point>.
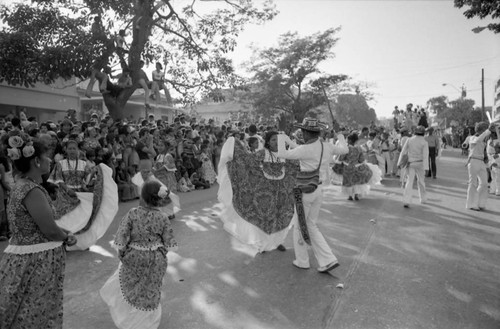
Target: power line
<point>439,69</point>
<point>422,95</point>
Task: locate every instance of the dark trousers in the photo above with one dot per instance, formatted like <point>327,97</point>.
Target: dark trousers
<point>432,162</point>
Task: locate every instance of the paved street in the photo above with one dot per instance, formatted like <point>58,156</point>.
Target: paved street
<point>431,266</point>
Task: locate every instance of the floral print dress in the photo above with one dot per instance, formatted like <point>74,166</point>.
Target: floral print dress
<point>207,169</point>
<point>31,269</point>
<point>133,292</point>
<point>165,169</point>
<point>70,172</point>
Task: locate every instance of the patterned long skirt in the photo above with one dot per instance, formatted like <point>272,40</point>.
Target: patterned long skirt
<point>133,292</point>
<point>31,289</point>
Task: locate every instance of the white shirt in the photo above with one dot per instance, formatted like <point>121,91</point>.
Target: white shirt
<point>309,154</point>
<point>158,76</point>
<point>477,145</point>
<point>417,149</point>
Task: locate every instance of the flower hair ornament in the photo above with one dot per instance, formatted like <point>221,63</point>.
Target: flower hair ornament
<point>20,145</point>
<point>163,192</point>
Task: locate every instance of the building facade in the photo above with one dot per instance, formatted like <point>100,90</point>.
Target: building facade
<point>52,102</point>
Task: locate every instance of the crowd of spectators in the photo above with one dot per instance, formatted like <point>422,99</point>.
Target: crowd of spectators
<point>187,149</point>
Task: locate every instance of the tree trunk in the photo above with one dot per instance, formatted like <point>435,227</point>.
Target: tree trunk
<point>116,105</point>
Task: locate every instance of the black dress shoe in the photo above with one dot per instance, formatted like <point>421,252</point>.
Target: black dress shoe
<point>350,198</point>
<point>281,248</point>
<point>328,267</point>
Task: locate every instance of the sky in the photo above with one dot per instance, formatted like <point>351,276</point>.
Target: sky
<point>406,50</point>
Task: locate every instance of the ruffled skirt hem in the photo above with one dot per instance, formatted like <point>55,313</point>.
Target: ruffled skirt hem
<point>124,315</point>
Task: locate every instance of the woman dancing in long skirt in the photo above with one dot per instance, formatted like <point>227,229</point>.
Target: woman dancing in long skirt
<point>255,190</point>
<point>32,267</point>
<point>143,240</point>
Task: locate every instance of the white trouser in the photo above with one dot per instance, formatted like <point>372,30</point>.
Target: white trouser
<point>415,169</point>
<point>324,255</point>
<point>388,161</point>
<point>477,192</point>
<point>381,164</point>
<point>395,162</point>
<point>495,180</point>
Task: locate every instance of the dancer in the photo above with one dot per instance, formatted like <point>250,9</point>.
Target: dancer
<point>143,239</point>
<point>32,267</point>
<point>255,190</point>
<point>417,151</point>
<point>477,192</point>
<point>315,158</point>
<point>357,175</point>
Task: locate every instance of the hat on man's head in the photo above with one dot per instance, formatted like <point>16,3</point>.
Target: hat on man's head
<point>420,130</point>
<point>311,124</point>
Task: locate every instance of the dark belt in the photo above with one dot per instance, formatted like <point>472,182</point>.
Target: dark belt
<point>385,150</point>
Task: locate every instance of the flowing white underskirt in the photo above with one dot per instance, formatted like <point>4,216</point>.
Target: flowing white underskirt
<point>75,220</point>
<point>103,218</point>
<point>234,224</point>
<point>126,316</point>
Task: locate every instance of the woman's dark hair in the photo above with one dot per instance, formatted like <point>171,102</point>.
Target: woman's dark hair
<point>4,161</point>
<point>352,138</point>
<point>34,132</point>
<point>252,140</point>
<point>123,130</point>
<point>268,137</point>
<point>203,147</point>
<point>149,194</point>
<point>24,164</point>
<point>143,131</point>
<point>219,134</point>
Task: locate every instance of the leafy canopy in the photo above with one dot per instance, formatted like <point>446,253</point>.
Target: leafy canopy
<point>46,39</point>
<point>482,9</point>
<point>284,76</point>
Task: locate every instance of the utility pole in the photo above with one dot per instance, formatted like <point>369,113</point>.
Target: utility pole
<point>482,94</point>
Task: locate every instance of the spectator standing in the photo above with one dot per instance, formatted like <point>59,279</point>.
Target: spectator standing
<point>434,148</point>
<point>417,150</point>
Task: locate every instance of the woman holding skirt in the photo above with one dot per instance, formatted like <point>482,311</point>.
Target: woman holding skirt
<point>143,240</point>
<point>32,268</point>
<point>357,175</point>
